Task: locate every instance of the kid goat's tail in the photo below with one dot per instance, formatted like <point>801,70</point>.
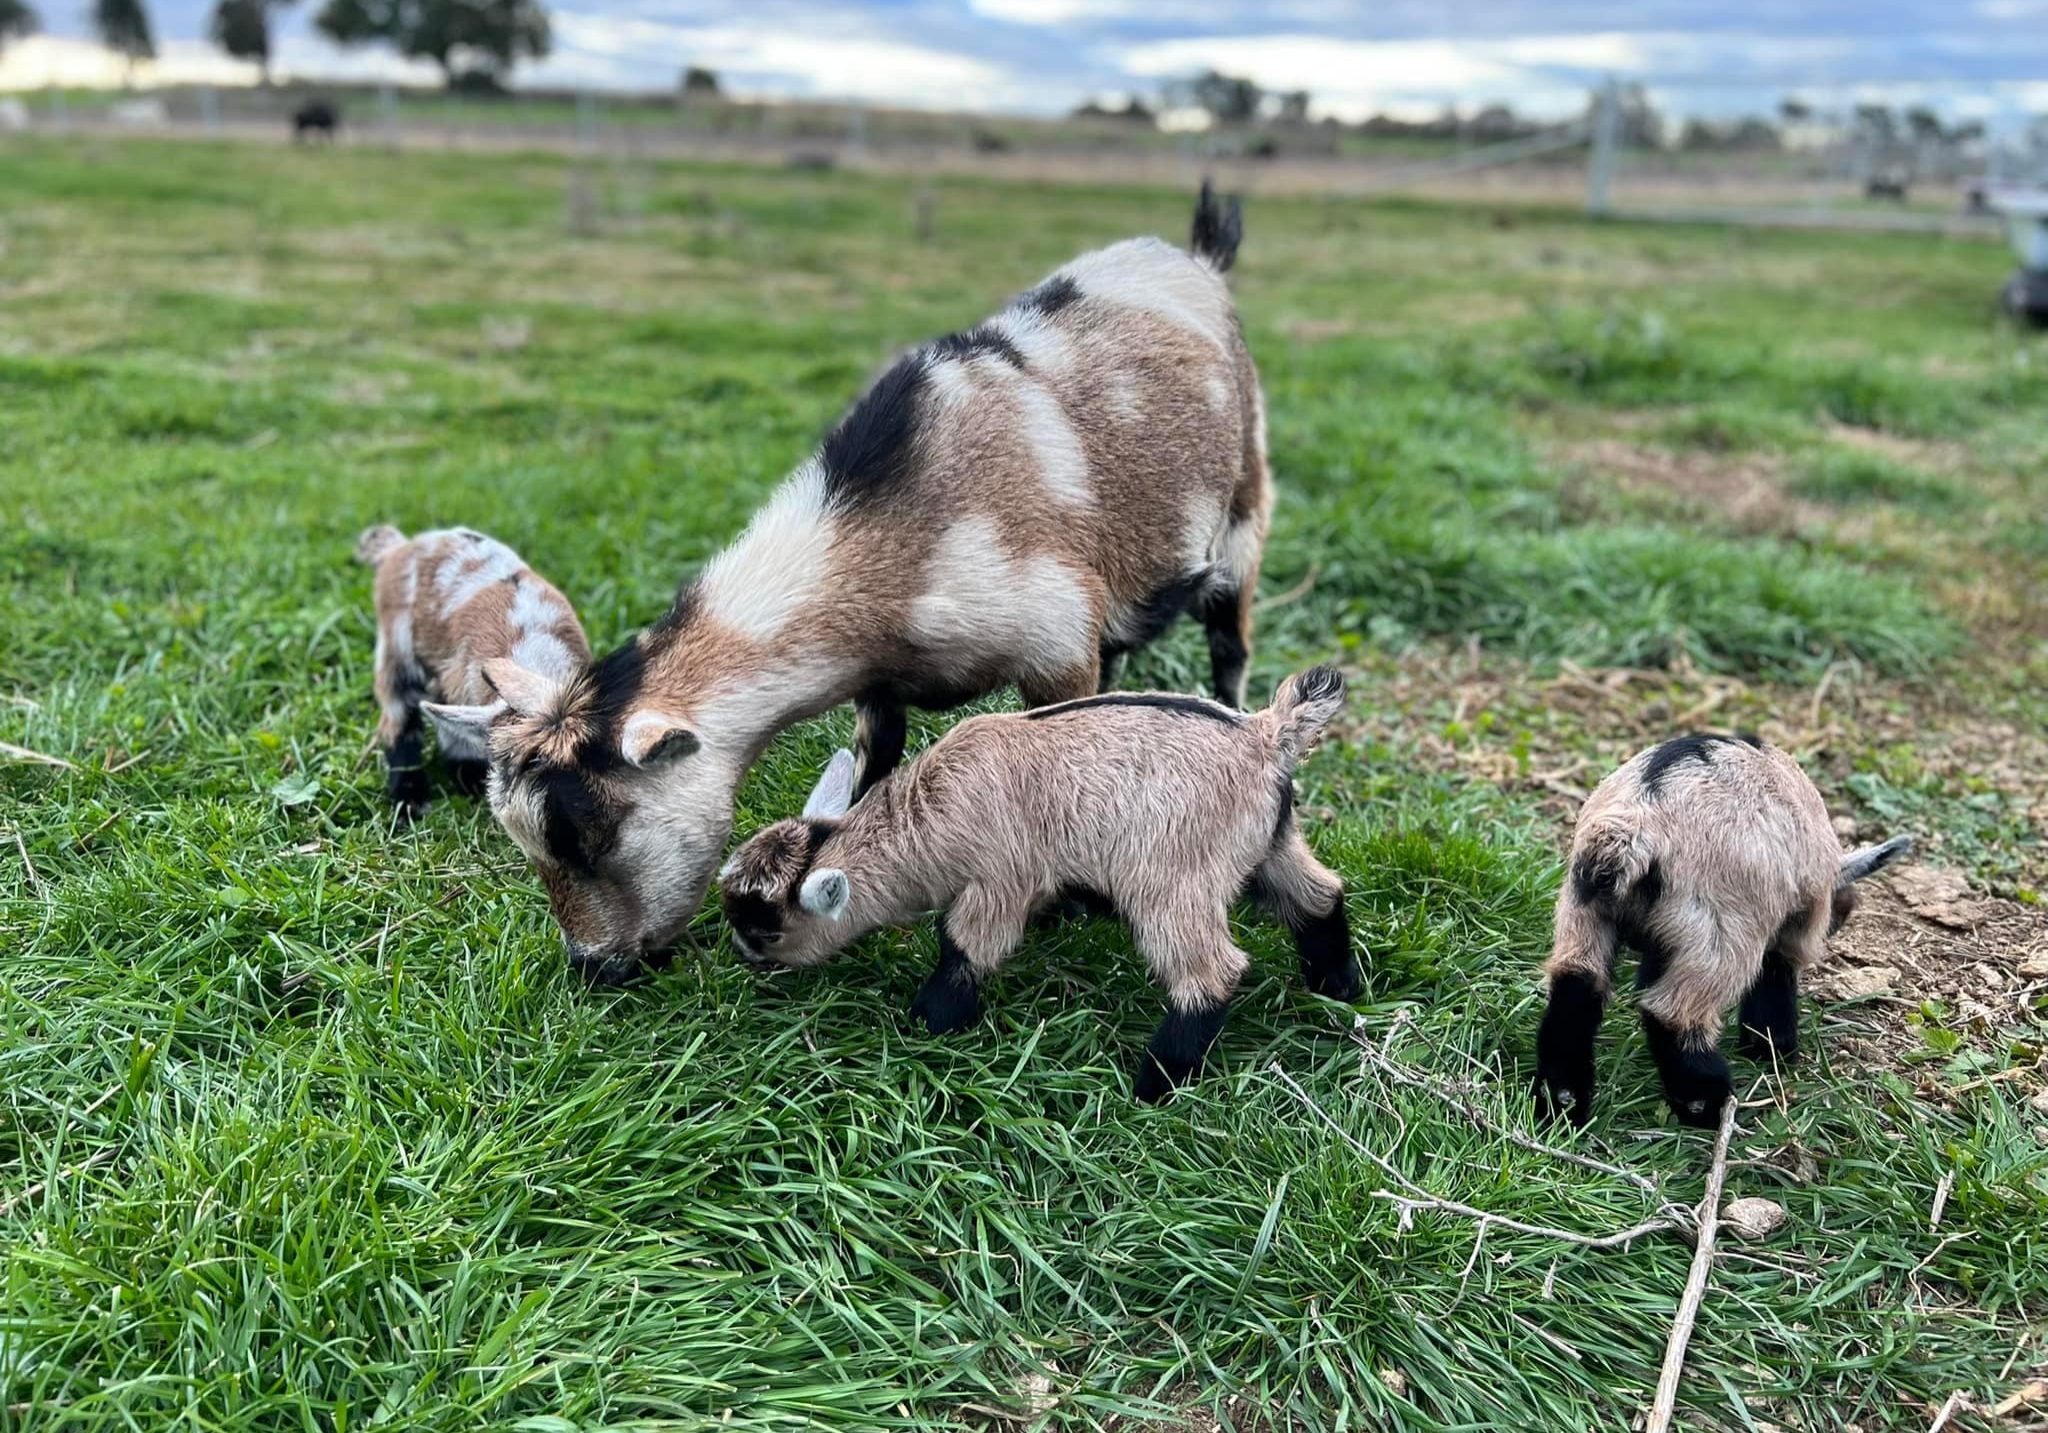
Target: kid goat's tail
<point>1871,859</point>
<point>377,541</point>
<point>1301,708</point>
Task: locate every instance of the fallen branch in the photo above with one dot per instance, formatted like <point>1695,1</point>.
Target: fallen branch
<point>1696,1282</point>
<point>1457,1101</point>
<point>1417,1198</point>
<point>1957,1401</point>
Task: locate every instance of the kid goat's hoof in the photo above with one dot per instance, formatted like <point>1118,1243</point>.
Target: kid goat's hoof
<point>947,1005</point>
<point>1565,1097</point>
<point>1155,1082</point>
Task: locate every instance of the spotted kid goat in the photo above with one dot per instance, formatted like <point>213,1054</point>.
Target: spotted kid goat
<point>1712,858</point>
<point>1166,807</point>
<point>448,602</point>
<point>1021,503</point>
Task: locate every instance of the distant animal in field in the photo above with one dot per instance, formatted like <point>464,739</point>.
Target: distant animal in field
<point>1712,857</point>
<point>1022,503</point>
<point>1166,807</point>
<point>316,119</point>
<point>1892,187</point>
<point>447,603</point>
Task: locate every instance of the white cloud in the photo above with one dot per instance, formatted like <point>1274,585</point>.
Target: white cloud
<point>1053,12</point>
<point>44,60</point>
<point>840,65</point>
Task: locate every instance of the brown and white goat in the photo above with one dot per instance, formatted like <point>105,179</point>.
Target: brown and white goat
<point>1713,858</point>
<point>1166,807</point>
<point>1020,503</point>
<point>448,602</point>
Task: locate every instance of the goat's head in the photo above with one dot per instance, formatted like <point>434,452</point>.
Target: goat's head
<point>784,907</point>
<point>621,808</point>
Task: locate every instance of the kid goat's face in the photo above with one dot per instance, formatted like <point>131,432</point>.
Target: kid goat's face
<point>784,907</point>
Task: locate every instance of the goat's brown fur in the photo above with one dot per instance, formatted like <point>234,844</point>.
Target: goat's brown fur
<point>1167,807</point>
<point>1020,504</point>
<point>448,602</point>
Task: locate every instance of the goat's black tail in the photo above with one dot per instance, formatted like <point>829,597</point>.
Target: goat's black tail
<point>1218,229</point>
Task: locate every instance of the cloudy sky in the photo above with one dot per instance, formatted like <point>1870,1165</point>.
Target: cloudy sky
<point>1982,57</point>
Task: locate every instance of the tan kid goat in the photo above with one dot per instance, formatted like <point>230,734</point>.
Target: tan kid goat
<point>1166,807</point>
<point>447,602</point>
<point>1713,858</point>
<point>1020,503</point>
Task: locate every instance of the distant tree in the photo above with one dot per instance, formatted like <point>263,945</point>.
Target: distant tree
<point>1875,122</point>
<point>1294,107</point>
<point>1968,131</point>
<point>123,27</point>
<point>475,42</point>
<point>1134,110</point>
<point>700,83</point>
<point>1642,124</point>
<point>1925,125</point>
<point>16,20</point>
<point>242,28</point>
<point>1229,99</point>
<point>1793,110</point>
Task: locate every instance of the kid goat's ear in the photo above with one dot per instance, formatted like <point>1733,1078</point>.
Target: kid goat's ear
<point>650,738</point>
<point>825,893</point>
<point>524,690</point>
<point>463,728</point>
<point>834,791</point>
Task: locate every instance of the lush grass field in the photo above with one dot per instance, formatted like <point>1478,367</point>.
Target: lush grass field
<point>305,1126</point>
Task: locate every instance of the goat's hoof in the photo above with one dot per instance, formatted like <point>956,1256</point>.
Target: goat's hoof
<point>947,1005</point>
<point>1562,1098</point>
<point>1155,1081</point>
<point>1342,982</point>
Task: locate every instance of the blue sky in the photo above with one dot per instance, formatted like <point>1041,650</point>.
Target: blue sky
<point>1711,56</point>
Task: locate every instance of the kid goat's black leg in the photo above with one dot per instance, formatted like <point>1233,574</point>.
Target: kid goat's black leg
<point>950,998</point>
<point>1178,1047</point>
<point>1770,1011</point>
<point>405,779</point>
<point>1690,1064</point>
<point>1227,616</point>
<point>1564,1046</point>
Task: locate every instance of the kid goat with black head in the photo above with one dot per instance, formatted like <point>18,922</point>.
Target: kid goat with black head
<point>1713,858</point>
<point>1020,503</point>
<point>1167,807</point>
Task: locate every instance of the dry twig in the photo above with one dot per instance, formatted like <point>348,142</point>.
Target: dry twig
<point>22,753</point>
<point>1941,1189</point>
<point>1417,1198</point>
<point>1696,1282</point>
<point>1456,1099</point>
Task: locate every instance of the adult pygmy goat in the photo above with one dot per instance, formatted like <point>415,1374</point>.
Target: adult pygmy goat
<point>1711,857</point>
<point>1023,502</point>
<point>1167,807</point>
<point>448,602</point>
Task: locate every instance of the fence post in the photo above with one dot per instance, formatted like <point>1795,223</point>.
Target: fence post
<point>209,108</point>
<point>1606,142</point>
<point>387,113</point>
<point>586,121</point>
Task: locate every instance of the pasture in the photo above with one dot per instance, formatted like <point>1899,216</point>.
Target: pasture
<point>305,1125</point>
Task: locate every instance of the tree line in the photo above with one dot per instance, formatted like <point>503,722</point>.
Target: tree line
<point>476,43</point>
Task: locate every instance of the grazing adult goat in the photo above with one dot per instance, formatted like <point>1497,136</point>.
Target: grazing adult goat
<point>1167,807</point>
<point>447,602</point>
<point>1713,858</point>
<point>1021,503</point>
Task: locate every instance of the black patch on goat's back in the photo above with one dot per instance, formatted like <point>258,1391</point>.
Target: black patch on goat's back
<point>1050,297</point>
<point>1186,706</point>
<point>1695,746</point>
<point>977,341</point>
<point>873,448</point>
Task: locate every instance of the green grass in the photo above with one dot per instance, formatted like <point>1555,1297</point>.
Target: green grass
<point>306,1126</point>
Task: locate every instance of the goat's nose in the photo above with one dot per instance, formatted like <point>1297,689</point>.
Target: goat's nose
<point>600,967</point>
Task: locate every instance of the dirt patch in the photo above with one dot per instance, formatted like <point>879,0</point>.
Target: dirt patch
<point>1923,935</point>
<point>1744,490</point>
<point>1944,459</point>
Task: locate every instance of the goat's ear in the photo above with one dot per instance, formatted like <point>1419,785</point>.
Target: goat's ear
<point>825,893</point>
<point>463,729</point>
<point>834,792</point>
<point>524,690</point>
<point>650,738</point>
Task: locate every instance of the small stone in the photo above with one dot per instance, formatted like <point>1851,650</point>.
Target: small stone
<point>1941,895</point>
<point>1863,981</point>
<point>1753,1218</point>
<point>2039,1103</point>
<point>1395,1380</point>
<point>1845,827</point>
<point>1034,1395</point>
<point>2034,964</point>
